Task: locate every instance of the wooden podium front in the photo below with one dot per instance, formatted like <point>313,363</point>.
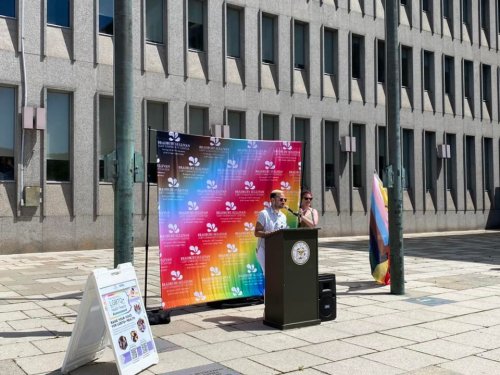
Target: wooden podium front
<point>291,294</point>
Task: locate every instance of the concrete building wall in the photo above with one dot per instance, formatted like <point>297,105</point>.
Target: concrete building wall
<point>78,214</point>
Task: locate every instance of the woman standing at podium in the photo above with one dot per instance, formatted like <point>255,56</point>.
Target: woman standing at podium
<point>308,217</point>
<point>270,219</point>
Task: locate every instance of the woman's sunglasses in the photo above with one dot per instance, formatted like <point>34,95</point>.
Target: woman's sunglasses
<point>308,198</point>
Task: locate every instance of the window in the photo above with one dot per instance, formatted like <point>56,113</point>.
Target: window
<point>301,134</point>
<point>106,131</point>
<point>8,8</point>
<point>470,163</point>
<point>106,14</point>
<point>448,10</point>
<point>449,76</point>
<point>233,32</point>
<point>426,5</point>
<point>330,51</point>
<point>357,157</point>
<point>488,164</point>
<point>428,71</point>
<point>58,125</point>
<point>301,131</point>
<point>7,126</point>
<point>407,151</point>
<point>157,120</point>
<point>198,121</point>
<point>236,122</point>
<point>268,39</point>
<point>486,84</point>
<point>300,45</point>
<point>450,172</point>
<point>381,147</point>
<point>154,21</point>
<point>270,127</point>
<point>196,25</point>
<point>406,66</point>
<point>58,13</point>
<point>466,12</point>
<point>380,61</point>
<point>485,14</point>
<point>357,57</point>
<point>468,80</point>
<point>329,146</point>
<point>430,145</point>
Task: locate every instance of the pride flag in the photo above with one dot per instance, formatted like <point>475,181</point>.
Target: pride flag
<point>379,233</point>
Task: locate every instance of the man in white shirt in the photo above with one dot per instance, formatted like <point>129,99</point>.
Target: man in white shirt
<point>270,219</point>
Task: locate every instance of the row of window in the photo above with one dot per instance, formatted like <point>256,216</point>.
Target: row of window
<point>59,125</point>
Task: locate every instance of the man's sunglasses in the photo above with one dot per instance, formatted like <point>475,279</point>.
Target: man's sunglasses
<point>282,199</point>
<point>308,198</point>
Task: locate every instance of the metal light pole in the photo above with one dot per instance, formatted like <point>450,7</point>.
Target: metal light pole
<point>393,126</point>
<point>124,113</point>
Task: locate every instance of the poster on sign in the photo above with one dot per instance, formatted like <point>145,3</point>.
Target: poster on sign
<point>210,191</point>
<point>112,311</point>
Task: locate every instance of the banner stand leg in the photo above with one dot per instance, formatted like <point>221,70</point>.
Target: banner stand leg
<point>237,302</point>
<point>155,315</point>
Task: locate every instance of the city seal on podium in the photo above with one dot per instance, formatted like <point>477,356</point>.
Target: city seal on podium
<point>300,253</point>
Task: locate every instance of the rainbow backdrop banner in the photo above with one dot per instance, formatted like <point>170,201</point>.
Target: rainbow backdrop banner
<point>210,191</point>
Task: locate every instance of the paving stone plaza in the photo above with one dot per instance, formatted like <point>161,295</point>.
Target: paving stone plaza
<point>448,322</point>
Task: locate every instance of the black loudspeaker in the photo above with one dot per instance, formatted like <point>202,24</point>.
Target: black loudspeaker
<point>327,297</point>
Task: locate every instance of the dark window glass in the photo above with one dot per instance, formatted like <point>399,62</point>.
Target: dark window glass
<point>406,66</point>
<point>268,39</point>
<point>329,51</point>
<point>300,45</point>
<point>381,61</point>
<point>357,157</point>
<point>106,131</point>
<point>382,161</point>
<point>233,32</point>
<point>430,144</point>
<point>450,172</point>
<point>154,21</point>
<point>468,79</point>
<point>329,147</point>
<point>486,83</point>
<point>407,156</point>
<point>8,8</point>
<point>488,164</point>
<point>156,113</point>
<point>426,5</point>
<point>58,13</point>
<point>428,70</point>
<point>196,25</point>
<point>197,117</point>
<point>270,127</point>
<point>448,75</point>
<point>470,163</point>
<point>357,56</point>
<point>106,14</point>
<point>7,126</point>
<point>236,122</point>
<point>447,9</point>
<point>485,14</point>
<point>466,12</point>
<point>58,125</point>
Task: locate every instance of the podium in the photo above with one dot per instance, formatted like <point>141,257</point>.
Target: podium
<point>291,295</point>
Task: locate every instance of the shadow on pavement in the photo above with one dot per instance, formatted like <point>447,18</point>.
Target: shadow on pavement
<point>481,248</point>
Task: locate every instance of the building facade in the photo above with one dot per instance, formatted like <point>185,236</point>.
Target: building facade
<point>308,70</point>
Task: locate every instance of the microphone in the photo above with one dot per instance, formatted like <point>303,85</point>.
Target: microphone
<point>292,211</point>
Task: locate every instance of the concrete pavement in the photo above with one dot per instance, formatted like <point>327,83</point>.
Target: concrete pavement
<point>447,323</point>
